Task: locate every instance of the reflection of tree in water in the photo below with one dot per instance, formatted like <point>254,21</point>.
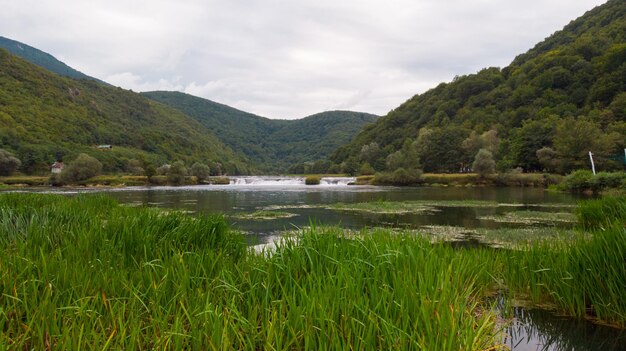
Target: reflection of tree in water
<point>542,330</point>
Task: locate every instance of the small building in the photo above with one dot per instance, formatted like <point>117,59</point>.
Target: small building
<point>104,147</point>
<point>57,167</point>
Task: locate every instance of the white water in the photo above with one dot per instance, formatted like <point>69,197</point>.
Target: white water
<point>288,181</point>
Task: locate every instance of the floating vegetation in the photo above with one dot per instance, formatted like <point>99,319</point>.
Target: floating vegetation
<point>447,232</point>
<point>532,217</point>
<point>384,207</point>
<point>517,237</point>
<point>263,215</point>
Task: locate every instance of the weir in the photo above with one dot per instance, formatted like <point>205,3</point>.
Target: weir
<point>288,181</point>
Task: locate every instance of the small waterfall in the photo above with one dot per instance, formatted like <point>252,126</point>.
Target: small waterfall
<point>287,181</point>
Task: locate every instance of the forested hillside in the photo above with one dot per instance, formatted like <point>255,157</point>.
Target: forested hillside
<point>545,111</point>
<point>44,117</point>
<point>41,59</point>
<point>272,145</point>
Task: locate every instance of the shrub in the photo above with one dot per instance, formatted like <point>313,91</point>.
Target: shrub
<point>82,168</point>
<point>312,180</point>
<point>400,176</point>
<point>578,180</point>
<point>584,180</point>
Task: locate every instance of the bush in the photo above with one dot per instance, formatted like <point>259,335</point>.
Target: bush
<point>8,163</point>
<point>312,180</point>
<point>584,180</point>
<point>82,168</point>
<point>400,177</point>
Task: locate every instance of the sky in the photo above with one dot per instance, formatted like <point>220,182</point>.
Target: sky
<point>286,59</point>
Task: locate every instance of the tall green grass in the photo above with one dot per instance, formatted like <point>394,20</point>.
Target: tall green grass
<point>584,276</point>
<point>84,272</point>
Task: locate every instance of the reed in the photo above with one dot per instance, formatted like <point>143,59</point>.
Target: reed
<point>84,272</point>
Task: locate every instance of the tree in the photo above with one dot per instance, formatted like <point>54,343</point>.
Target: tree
<point>366,169</point>
<point>484,163</point>
<point>177,172</point>
<point>525,142</point>
<point>150,171</point>
<point>372,154</point>
<point>200,171</point>
<point>8,163</point>
<point>135,167</point>
<point>548,159</point>
<point>574,139</point>
<point>163,169</point>
<point>441,150</point>
<point>82,168</point>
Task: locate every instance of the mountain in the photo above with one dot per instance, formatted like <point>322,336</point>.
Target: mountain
<point>271,145</point>
<point>44,115</point>
<point>42,59</point>
<point>545,111</point>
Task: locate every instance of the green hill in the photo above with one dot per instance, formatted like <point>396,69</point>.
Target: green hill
<point>41,59</point>
<point>271,145</point>
<point>545,111</point>
<point>44,116</point>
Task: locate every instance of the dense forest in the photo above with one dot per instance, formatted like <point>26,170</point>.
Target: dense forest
<point>544,112</point>
<point>272,145</point>
<point>46,117</point>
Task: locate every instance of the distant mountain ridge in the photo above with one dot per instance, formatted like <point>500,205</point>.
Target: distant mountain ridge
<point>271,145</point>
<point>42,59</point>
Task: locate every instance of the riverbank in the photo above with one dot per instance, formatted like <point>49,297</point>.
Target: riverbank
<point>109,180</point>
<point>84,272</point>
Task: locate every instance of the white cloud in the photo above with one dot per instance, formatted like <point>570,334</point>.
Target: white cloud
<point>286,59</point>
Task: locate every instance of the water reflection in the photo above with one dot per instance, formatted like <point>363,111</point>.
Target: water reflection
<point>542,330</point>
<point>232,199</point>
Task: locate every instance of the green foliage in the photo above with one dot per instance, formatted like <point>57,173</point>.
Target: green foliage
<point>584,180</point>
<point>484,163</point>
<point>176,173</point>
<point>82,168</point>
<point>8,163</point>
<point>312,180</point>
<point>366,169</point>
<point>200,171</point>
<point>399,177</point>
<point>271,145</point>
<point>574,77</point>
<point>44,117</point>
<point>135,167</point>
<point>602,213</point>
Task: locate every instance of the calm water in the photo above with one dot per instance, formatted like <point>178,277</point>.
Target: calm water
<point>531,330</point>
<point>294,198</point>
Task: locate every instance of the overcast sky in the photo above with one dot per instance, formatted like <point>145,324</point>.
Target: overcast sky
<point>286,59</point>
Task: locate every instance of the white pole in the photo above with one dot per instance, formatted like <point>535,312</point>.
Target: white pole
<point>593,167</point>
